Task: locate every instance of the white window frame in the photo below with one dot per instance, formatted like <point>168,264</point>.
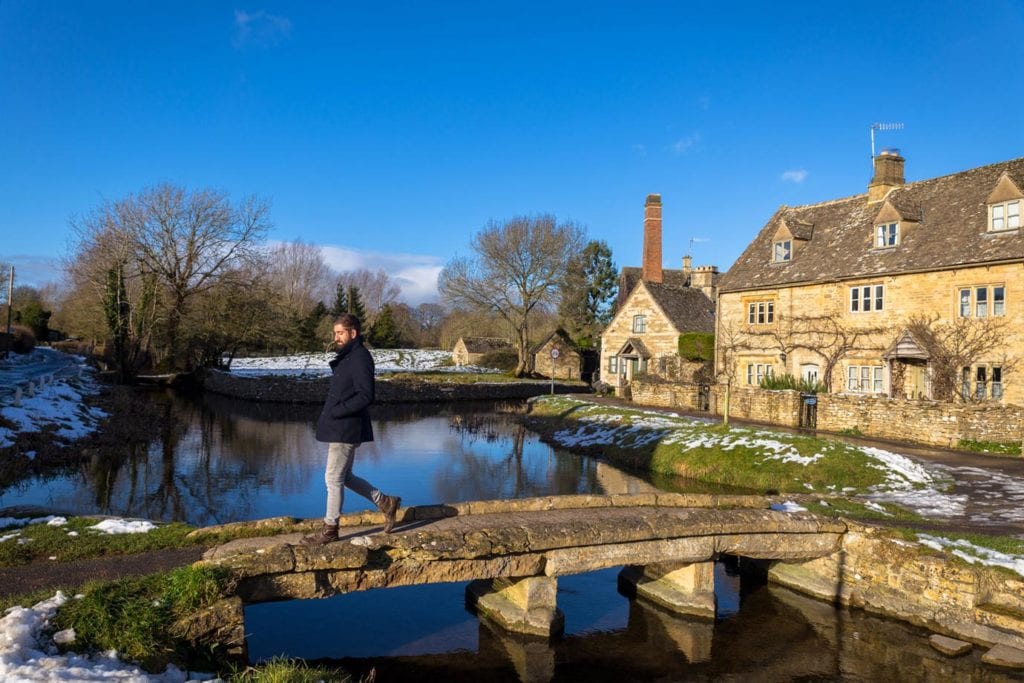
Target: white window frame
<point>865,379</point>
<point>982,382</point>
<point>1004,216</point>
<point>981,301</point>
<point>867,298</point>
<point>783,251</point>
<point>887,235</point>
<point>758,371</point>
<point>613,365</point>
<point>761,313</point>
<point>639,324</point>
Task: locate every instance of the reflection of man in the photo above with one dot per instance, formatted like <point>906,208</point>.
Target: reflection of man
<point>344,424</point>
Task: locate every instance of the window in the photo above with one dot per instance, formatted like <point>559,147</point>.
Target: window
<point>761,312</point>
<point>988,382</point>
<point>1004,216</point>
<point>639,324</point>
<point>982,301</point>
<point>783,250</point>
<point>887,235</point>
<point>758,371</point>
<point>865,379</point>
<point>866,298</point>
<point>809,372</point>
<point>613,365</point>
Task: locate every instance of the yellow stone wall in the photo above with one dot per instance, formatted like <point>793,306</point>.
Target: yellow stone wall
<point>661,337</point>
<point>905,295</point>
<point>568,365</point>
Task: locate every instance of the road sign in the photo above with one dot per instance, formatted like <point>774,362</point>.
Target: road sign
<point>554,354</point>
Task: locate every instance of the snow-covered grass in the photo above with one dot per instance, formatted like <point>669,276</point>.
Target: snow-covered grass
<point>976,554</point>
<point>58,404</point>
<point>29,652</point>
<point>386,360</point>
<point>757,459</point>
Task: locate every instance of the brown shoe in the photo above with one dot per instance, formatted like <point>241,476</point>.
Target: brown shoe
<point>389,506</point>
<point>328,534</point>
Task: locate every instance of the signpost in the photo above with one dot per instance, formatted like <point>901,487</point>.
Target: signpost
<point>554,357</point>
<point>10,304</point>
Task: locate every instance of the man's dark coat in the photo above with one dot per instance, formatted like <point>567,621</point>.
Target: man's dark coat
<point>346,416</point>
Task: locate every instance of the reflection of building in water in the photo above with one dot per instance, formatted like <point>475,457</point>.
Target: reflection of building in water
<point>614,480</point>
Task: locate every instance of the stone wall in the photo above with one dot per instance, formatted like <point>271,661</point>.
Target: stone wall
<point>908,582</point>
<point>929,422</point>
<point>298,390</point>
<point>932,423</point>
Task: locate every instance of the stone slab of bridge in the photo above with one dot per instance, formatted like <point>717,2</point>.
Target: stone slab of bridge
<point>513,551</point>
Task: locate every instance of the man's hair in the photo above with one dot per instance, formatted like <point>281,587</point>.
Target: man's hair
<point>348,321</point>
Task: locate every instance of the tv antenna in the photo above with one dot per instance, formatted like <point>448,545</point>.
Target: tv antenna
<point>696,239</point>
<point>882,126</point>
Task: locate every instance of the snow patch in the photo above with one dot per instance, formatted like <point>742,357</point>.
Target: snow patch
<point>123,526</point>
<point>974,554</point>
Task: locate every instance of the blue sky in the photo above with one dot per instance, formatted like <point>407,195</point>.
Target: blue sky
<point>391,132</point>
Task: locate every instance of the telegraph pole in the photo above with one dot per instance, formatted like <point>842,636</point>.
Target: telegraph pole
<point>10,304</point>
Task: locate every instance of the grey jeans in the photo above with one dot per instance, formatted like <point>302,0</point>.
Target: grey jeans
<point>339,475</point>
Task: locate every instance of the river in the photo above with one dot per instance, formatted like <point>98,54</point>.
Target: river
<point>223,460</point>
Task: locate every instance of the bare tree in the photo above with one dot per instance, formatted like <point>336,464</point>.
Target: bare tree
<point>729,342</point>
<point>182,242</point>
<point>376,289</point>
<point>298,276</point>
<point>517,267</point>
<point>958,344</point>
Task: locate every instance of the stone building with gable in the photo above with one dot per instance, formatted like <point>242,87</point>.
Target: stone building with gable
<point>833,291</point>
<point>471,350</point>
<point>655,305</point>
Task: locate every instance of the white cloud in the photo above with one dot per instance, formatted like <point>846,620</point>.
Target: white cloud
<point>260,28</point>
<point>416,274</point>
<point>685,144</point>
<point>794,176</point>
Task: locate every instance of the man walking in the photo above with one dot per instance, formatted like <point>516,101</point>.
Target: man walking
<point>344,424</point>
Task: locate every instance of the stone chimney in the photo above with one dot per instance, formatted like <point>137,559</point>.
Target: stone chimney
<point>705,278</point>
<point>651,269</point>
<point>687,266</point>
<point>888,174</point>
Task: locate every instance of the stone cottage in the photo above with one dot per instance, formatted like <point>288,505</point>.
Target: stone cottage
<point>470,350</point>
<point>566,363</point>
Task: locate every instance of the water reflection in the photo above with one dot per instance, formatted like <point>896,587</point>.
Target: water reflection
<point>221,460</point>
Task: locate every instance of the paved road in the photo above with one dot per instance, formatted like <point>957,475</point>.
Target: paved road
<point>21,370</point>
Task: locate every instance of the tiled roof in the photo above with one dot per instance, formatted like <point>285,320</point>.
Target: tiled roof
<point>485,344</point>
<point>630,275</point>
<point>945,226</point>
<point>688,309</point>
<point>563,337</point>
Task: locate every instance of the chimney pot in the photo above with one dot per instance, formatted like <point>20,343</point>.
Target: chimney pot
<point>888,174</point>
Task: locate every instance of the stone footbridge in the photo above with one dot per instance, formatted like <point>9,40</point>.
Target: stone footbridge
<point>512,551</point>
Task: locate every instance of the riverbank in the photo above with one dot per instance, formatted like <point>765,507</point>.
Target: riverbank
<point>401,388</point>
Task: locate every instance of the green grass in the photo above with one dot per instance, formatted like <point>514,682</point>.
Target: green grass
<point>289,671</point>
<point>137,616</point>
<point>990,447</point>
<point>45,541</point>
<point>711,453</point>
<point>852,509</point>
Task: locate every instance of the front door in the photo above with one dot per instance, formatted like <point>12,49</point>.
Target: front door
<point>915,381</point>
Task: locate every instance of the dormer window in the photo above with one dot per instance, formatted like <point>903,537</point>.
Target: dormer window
<point>783,251</point>
<point>1004,215</point>
<point>887,235</point>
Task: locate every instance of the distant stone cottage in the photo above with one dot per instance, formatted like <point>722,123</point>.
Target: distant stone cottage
<point>568,361</point>
<point>470,350</point>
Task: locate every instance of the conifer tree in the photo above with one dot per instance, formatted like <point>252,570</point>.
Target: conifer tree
<point>355,303</point>
<point>384,333</point>
<point>340,306</point>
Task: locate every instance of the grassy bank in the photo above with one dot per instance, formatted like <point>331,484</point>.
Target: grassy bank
<point>752,459</point>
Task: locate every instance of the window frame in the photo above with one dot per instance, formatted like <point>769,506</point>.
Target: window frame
<point>761,312</point>
<point>758,371</point>
<point>639,324</point>
<point>786,247</point>
<point>868,298</point>
<point>869,379</point>
<point>613,364</point>
<point>887,235</point>
<point>1006,217</point>
<point>992,302</point>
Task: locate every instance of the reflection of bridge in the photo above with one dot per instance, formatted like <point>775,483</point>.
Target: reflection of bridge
<point>513,551</point>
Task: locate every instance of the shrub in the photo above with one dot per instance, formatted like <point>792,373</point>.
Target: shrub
<point>501,359</point>
<point>788,381</point>
<point>697,346</point>
<point>24,339</point>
